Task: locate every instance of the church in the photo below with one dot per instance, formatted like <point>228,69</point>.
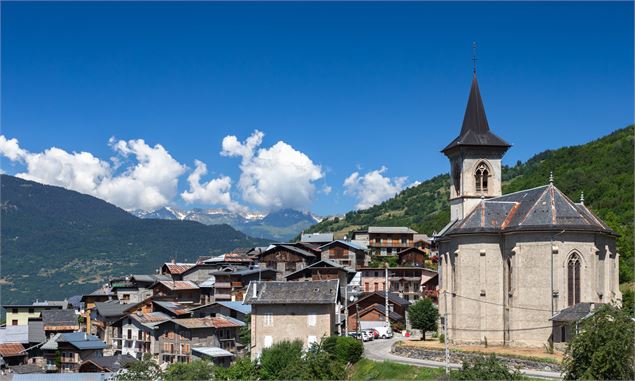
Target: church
<point>509,263</point>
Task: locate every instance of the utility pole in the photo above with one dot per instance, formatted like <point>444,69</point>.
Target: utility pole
<point>346,310</point>
<point>445,333</point>
<point>386,294</point>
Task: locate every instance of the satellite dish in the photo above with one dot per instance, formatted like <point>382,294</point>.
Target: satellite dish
<point>352,298</point>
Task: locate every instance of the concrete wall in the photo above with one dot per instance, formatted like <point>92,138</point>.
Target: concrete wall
<point>482,303</point>
<point>290,322</point>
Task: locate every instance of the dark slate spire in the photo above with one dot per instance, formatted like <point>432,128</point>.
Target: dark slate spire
<point>475,130</point>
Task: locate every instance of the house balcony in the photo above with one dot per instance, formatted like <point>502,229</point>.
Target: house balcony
<point>404,278</point>
<point>218,285</point>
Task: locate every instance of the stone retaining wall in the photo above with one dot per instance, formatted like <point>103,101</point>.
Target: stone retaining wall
<point>459,357</point>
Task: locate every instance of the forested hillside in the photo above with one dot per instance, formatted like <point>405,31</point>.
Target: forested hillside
<point>57,242</point>
<point>603,169</point>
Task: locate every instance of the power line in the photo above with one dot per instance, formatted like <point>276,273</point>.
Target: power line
<point>496,304</point>
<point>499,330</point>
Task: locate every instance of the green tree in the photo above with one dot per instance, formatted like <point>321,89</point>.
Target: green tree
<point>344,349</point>
<point>423,315</point>
<point>485,368</point>
<point>603,349</point>
<point>244,334</point>
<point>195,370</point>
<point>145,369</point>
<point>282,361</point>
<point>628,299</point>
<point>321,365</point>
<point>241,369</point>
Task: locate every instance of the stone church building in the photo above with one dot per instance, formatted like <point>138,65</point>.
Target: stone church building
<point>509,263</point>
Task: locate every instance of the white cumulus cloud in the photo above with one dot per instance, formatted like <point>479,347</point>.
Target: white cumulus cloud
<point>373,187</point>
<point>149,182</point>
<point>275,177</point>
<point>215,191</point>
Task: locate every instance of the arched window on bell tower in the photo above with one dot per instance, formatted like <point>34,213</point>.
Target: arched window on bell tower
<point>482,177</point>
<point>573,280</point>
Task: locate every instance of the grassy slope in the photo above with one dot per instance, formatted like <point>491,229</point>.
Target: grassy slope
<point>366,370</point>
<point>603,169</point>
<point>57,243</point>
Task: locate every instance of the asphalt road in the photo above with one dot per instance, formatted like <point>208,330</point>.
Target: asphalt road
<point>379,350</point>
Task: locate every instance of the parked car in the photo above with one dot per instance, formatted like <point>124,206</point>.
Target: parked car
<point>366,336</point>
<point>355,335</point>
<point>384,332</point>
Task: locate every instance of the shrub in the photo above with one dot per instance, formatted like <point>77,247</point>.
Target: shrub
<point>346,350</point>
<point>485,368</point>
<point>603,350</point>
<point>442,338</point>
<point>195,370</point>
<point>282,361</point>
<point>241,369</point>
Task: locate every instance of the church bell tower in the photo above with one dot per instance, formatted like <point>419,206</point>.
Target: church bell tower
<point>475,159</point>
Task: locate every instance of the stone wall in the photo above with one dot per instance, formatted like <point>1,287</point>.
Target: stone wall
<point>459,357</point>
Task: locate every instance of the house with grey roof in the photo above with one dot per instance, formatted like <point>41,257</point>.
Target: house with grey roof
<point>305,311</point>
<point>509,263</point>
<point>319,238</point>
<point>70,349</point>
<point>286,258</point>
<point>346,253</point>
<point>389,240</point>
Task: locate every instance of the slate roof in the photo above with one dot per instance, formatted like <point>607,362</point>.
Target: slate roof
<point>409,249</point>
<point>236,306</point>
<point>310,292</point>
<point>150,278</point>
<point>14,334</point>
<point>26,369</point>
<point>81,340</point>
<point>574,313</point>
<point>390,230</point>
<point>288,247</point>
<point>542,208</point>
<point>321,263</point>
<point>36,331</point>
<point>350,244</point>
<point>111,308</point>
<point>111,363</point>
<point>172,307</point>
<point>475,129</point>
<point>317,237</point>
<point>392,297</point>
<point>60,320</point>
<point>150,319</point>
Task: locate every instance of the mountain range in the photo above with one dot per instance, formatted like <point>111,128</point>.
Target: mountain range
<point>603,169</point>
<point>57,242</point>
<point>279,225</point>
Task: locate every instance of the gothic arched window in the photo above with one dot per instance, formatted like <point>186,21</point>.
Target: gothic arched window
<point>573,280</point>
<point>481,175</point>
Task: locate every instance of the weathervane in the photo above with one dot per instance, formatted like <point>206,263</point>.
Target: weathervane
<point>474,55</point>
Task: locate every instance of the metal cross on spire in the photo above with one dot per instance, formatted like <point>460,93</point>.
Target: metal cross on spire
<point>474,59</point>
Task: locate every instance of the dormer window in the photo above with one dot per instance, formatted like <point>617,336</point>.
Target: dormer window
<point>482,176</point>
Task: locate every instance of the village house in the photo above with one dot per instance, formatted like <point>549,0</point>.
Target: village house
<point>135,288</point>
<point>230,285</point>
<point>134,335</point>
<point>181,291</point>
<point>286,258</point>
<point>172,309</point>
<point>19,314</point>
<point>389,240</point>
<point>12,354</point>
<point>59,321</point>
<point>370,309</point>
<point>412,257</point>
<point>177,338</point>
<point>102,294</point>
<point>70,349</point>
<point>175,270</point>
<point>304,311</point>
<point>510,263</point>
<point>413,283</point>
<point>345,253</point>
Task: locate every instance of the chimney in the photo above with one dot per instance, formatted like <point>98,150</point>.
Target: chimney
<point>173,261</point>
<point>255,295</point>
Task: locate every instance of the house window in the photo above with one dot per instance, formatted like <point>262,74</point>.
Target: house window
<point>376,286</point>
<point>129,334</point>
<point>404,241</point>
<point>268,341</point>
<point>573,280</point>
<point>14,322</point>
<point>311,320</point>
<point>366,287</point>
<point>268,319</point>
<point>481,175</point>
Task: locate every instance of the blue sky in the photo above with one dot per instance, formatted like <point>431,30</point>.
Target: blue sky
<point>350,87</point>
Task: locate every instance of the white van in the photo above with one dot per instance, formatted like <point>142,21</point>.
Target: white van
<point>384,332</point>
